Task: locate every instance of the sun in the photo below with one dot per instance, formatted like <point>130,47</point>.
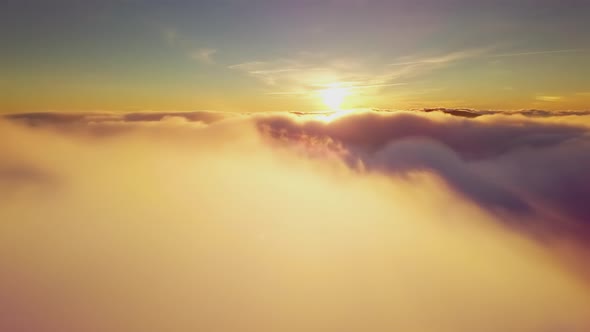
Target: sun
<point>334,97</point>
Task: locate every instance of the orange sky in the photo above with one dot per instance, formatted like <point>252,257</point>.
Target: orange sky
<point>280,55</point>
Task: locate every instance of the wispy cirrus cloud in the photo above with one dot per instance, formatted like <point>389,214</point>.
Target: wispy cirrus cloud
<point>308,72</point>
<point>443,59</point>
<point>204,55</point>
<point>517,54</point>
<point>485,52</point>
<point>305,73</point>
<point>548,98</point>
<point>169,34</point>
<point>181,42</point>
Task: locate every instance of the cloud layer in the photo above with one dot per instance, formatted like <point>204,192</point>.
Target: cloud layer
<point>509,162</point>
<point>362,221</point>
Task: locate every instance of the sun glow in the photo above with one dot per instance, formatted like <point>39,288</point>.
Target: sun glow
<point>334,97</point>
<point>333,115</point>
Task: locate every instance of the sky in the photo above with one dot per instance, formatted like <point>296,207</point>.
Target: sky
<point>289,166</point>
<point>304,55</point>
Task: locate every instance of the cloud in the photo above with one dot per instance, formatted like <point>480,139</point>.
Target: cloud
<point>474,53</point>
<point>204,55</point>
<point>354,221</point>
<point>307,73</point>
<point>445,58</point>
<point>178,40</point>
<point>471,155</point>
<point>170,35</point>
<point>549,98</point>
<point>516,54</point>
<point>61,118</point>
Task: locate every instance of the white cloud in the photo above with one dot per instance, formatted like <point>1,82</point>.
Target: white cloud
<point>263,223</point>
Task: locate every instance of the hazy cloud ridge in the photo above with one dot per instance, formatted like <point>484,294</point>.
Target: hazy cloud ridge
<point>507,162</point>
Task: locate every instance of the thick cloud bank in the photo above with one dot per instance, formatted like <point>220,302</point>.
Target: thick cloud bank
<point>503,162</point>
<point>361,221</point>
